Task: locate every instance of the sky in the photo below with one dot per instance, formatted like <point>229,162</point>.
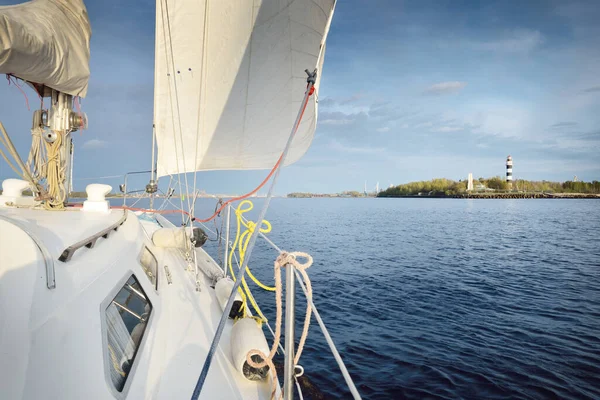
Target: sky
<point>410,90</point>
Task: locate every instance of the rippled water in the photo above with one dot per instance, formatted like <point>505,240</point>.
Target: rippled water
<point>445,298</point>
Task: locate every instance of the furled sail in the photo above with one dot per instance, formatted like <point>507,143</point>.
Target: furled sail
<point>47,42</point>
<point>230,78</point>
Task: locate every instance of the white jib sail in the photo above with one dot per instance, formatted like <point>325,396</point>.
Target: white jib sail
<point>47,42</point>
<point>230,78</point>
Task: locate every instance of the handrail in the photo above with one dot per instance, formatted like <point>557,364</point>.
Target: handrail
<point>125,184</point>
<point>48,260</point>
<point>91,241</point>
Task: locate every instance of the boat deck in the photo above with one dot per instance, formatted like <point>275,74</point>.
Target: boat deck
<point>53,341</point>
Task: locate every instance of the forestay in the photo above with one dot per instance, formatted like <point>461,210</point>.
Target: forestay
<point>47,42</point>
<point>230,79</point>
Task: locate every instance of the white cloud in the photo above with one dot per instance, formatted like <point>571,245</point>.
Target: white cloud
<point>384,129</point>
<point>340,147</point>
<point>427,124</point>
<point>340,118</point>
<point>336,121</point>
<point>445,87</point>
<point>592,89</point>
<point>447,129</point>
<point>516,41</point>
<point>564,124</point>
<point>500,118</point>
<point>352,99</point>
<point>94,144</point>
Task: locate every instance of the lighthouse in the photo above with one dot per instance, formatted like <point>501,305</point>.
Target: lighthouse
<point>509,166</point>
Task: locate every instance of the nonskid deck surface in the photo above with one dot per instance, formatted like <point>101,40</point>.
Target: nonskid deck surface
<point>53,341</point>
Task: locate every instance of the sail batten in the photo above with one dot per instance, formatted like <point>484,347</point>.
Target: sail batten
<point>230,78</point>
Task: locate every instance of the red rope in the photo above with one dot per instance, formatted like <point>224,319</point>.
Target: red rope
<point>245,196</point>
<point>8,78</point>
<point>312,90</point>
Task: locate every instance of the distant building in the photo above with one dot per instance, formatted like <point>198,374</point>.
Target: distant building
<point>470,183</point>
<point>575,179</point>
<point>509,168</point>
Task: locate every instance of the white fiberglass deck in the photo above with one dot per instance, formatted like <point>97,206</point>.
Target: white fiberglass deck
<point>52,341</point>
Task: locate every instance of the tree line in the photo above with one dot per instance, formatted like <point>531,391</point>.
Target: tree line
<point>449,187</point>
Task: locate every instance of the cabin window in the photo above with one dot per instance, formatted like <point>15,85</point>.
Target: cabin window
<point>149,265</point>
<point>126,318</point>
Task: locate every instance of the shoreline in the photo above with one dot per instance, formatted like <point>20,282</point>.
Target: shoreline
<point>504,196</point>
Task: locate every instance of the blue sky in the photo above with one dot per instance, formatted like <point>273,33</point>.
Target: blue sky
<point>411,90</point>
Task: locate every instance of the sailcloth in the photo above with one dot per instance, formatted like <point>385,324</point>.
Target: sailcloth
<point>230,78</point>
<point>47,42</point>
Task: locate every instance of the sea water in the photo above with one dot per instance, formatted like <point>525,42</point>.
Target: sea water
<point>443,298</point>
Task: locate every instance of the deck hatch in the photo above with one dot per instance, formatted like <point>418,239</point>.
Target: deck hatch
<point>126,316</point>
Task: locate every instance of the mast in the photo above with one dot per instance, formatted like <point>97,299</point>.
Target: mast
<point>50,51</point>
<point>52,130</point>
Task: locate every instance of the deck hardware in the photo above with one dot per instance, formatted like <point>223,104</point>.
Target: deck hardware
<point>48,259</point>
<point>67,253</point>
<point>168,273</point>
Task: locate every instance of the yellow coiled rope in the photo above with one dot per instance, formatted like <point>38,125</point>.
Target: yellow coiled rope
<point>240,244</point>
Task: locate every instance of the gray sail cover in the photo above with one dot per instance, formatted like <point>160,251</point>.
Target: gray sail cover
<point>230,80</point>
<point>47,42</point>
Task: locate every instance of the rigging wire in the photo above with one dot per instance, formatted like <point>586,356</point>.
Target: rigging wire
<point>273,170</point>
<point>24,172</point>
<point>252,241</point>
<point>201,93</point>
<point>167,29</point>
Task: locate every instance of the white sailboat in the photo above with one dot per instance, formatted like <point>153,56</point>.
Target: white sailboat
<point>102,302</point>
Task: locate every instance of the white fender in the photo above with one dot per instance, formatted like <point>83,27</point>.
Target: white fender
<point>171,238</point>
<point>246,335</point>
<point>223,291</point>
<point>178,237</point>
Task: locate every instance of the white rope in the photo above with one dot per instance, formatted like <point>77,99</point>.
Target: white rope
<point>287,260</point>
<point>329,341</point>
<point>55,174</point>
<point>328,338</point>
<point>37,154</point>
<point>251,243</point>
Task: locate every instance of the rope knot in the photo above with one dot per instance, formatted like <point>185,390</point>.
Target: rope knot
<point>286,258</point>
